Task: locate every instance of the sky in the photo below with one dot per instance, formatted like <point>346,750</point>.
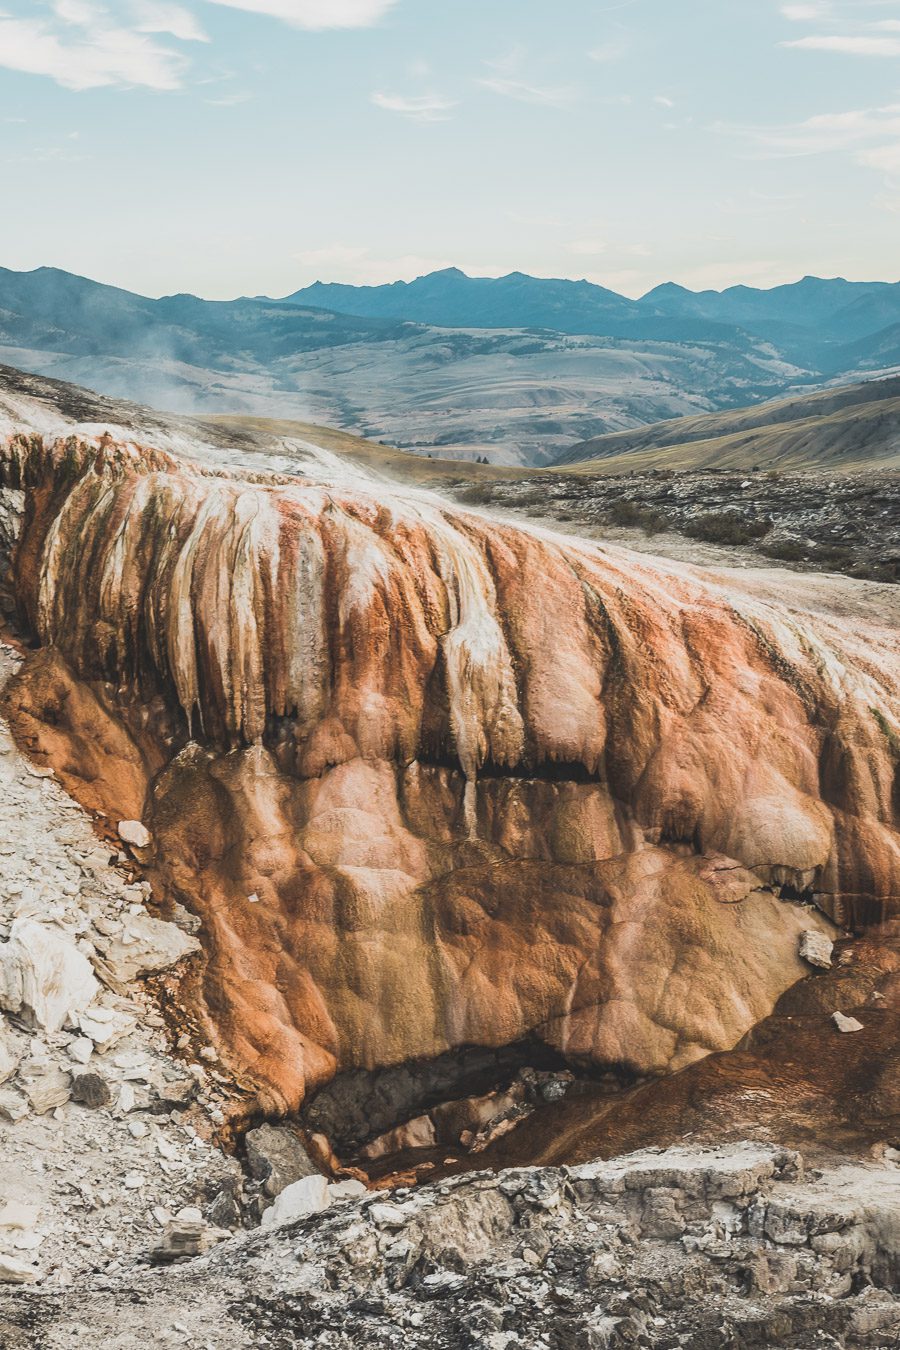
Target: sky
<point>246,147</point>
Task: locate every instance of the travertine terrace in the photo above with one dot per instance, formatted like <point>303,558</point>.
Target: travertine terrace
<point>431,780</point>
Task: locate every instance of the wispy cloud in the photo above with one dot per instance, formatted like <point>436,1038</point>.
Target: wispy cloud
<point>420,107</point>
<point>156,16</point>
<point>317,14</point>
<point>806,13</point>
<point>588,248</point>
<point>528,93</point>
<point>356,265</point>
<point>870,135</point>
<point>508,79</point>
<point>607,52</point>
<point>848,44</point>
<point>80,46</point>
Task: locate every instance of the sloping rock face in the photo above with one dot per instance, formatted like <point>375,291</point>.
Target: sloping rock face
<point>434,781</point>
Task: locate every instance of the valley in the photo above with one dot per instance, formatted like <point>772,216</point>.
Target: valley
<point>517,369</point>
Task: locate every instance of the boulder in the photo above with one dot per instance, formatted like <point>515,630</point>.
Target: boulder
<point>185,1236</point>
<point>846,1024</point>
<point>816,948</point>
<point>13,1271</point>
<point>309,1196</point>
<point>43,976</point>
<point>104,1026</point>
<point>351,1189</point>
<point>276,1157</point>
<point>90,1089</point>
<point>49,1090</point>
<point>13,1106</point>
<point>146,945</point>
<point>135,833</point>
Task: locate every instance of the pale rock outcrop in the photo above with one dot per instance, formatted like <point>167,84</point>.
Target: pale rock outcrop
<point>43,975</point>
<point>484,783</point>
<point>307,1196</point>
<point>9,1055</point>
<point>738,1245</point>
<point>145,945</point>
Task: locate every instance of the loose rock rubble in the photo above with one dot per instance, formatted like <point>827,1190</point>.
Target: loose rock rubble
<point>812,520</point>
<point>735,1246</point>
<point>98,1149</point>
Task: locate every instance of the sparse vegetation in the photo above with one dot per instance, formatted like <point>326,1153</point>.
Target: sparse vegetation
<point>723,527</point>
<point>784,550</point>
<point>628,513</point>
<point>476,494</point>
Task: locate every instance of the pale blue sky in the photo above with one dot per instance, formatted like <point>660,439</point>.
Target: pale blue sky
<point>250,146</point>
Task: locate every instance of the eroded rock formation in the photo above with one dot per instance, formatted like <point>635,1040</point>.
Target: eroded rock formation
<point>431,780</point>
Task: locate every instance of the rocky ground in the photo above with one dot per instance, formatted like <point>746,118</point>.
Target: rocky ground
<point>104,1133</point>
<point>811,521</point>
<point>737,1246</point>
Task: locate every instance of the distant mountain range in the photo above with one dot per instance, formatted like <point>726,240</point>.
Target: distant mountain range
<point>517,368</point>
<point>812,322</point>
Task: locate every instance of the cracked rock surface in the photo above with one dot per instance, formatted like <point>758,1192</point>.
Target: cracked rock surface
<point>736,1246</point>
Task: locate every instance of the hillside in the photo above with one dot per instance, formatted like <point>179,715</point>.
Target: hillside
<point>852,427</point>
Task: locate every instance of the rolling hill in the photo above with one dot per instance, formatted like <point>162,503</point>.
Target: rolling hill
<point>852,427</point>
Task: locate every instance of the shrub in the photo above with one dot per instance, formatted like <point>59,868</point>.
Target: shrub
<point>720,527</point>
<point>785,550</point>
<point>629,513</point>
<point>476,494</point>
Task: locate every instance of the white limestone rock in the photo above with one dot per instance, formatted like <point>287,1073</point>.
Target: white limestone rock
<point>9,1057</point>
<point>48,1090</point>
<point>146,944</point>
<point>13,1271</point>
<point>350,1189</point>
<point>13,1106</point>
<point>43,975</point>
<point>309,1196</point>
<point>817,949</point>
<point>104,1026</point>
<point>135,833</point>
